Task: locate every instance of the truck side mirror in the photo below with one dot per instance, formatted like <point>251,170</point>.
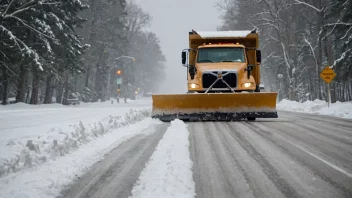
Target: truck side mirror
<point>184,58</point>
<point>259,56</point>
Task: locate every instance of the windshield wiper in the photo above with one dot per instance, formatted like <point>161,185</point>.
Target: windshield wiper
<point>204,61</point>
<point>230,61</point>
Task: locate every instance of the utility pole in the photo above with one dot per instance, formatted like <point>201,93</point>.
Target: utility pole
<point>280,76</point>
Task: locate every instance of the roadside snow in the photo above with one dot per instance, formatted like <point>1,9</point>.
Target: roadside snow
<point>168,172</point>
<point>51,177</point>
<point>31,135</point>
<point>338,109</point>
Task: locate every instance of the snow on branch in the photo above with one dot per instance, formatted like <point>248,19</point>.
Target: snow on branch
<point>8,68</point>
<point>345,3</point>
<point>11,36</point>
<point>309,5</point>
<point>18,11</point>
<point>285,55</point>
<point>342,57</point>
<point>311,48</point>
<point>334,24</point>
<point>19,42</point>
<point>32,28</point>
<point>299,86</point>
<point>8,7</point>
<point>347,33</point>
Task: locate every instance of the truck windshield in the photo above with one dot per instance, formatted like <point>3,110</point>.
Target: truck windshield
<point>223,54</point>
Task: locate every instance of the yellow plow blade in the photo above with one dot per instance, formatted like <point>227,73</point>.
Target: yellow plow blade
<point>214,106</point>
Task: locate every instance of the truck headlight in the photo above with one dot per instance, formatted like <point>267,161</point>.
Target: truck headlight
<point>246,85</point>
<point>193,86</point>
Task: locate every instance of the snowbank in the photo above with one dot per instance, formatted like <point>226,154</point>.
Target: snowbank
<point>338,109</point>
<point>168,172</point>
<point>33,134</point>
<point>50,178</point>
<point>25,106</point>
<point>57,143</point>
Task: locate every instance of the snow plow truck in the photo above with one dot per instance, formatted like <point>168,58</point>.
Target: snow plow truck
<point>223,80</point>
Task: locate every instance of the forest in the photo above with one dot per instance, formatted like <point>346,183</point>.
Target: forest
<point>51,50</point>
<point>54,50</point>
<point>298,39</point>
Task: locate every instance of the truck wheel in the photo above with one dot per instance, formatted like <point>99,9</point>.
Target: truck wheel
<point>251,118</point>
<point>257,89</point>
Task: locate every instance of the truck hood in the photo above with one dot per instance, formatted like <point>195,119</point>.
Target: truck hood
<point>202,67</point>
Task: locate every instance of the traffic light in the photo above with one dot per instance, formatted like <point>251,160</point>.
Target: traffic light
<point>118,90</point>
<point>118,72</point>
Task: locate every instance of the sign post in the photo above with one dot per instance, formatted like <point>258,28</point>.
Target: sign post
<point>328,75</point>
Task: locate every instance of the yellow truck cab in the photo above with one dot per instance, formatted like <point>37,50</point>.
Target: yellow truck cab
<point>218,63</point>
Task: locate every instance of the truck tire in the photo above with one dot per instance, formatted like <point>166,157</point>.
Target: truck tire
<point>257,89</point>
<point>251,118</point>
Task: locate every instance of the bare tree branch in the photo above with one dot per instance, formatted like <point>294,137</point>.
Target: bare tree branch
<point>8,7</point>
<point>309,5</point>
<point>334,24</point>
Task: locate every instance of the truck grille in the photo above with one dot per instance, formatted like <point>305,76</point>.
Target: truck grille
<point>209,79</point>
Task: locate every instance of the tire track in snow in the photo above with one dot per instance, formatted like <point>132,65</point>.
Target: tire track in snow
<point>288,143</point>
<point>259,183</point>
<point>232,186</point>
<point>222,168</point>
<point>115,175</point>
<point>168,173</point>
<point>271,172</point>
<point>207,173</point>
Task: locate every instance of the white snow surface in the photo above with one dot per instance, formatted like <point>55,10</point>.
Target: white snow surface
<point>49,179</point>
<point>168,172</point>
<point>32,135</point>
<point>230,34</point>
<point>319,107</point>
<point>45,148</point>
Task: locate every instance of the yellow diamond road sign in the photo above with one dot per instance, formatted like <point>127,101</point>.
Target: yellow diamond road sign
<point>327,74</point>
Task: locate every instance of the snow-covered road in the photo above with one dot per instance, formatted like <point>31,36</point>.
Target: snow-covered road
<point>120,169</point>
<point>296,155</point>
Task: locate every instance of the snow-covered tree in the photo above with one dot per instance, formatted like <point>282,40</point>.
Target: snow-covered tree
<point>52,48</point>
<point>35,36</point>
<point>298,39</point>
<point>105,32</point>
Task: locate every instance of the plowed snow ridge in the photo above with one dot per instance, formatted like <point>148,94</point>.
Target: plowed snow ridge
<point>39,150</point>
<point>168,172</point>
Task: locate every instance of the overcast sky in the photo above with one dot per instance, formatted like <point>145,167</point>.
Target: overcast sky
<point>172,20</point>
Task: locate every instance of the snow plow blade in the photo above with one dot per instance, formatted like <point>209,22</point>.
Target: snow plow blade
<point>214,106</point>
